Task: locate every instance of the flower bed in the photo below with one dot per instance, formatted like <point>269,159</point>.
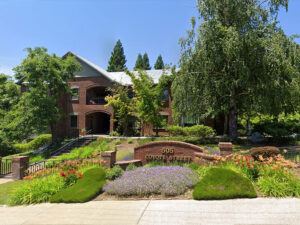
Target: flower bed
<point>166,180</point>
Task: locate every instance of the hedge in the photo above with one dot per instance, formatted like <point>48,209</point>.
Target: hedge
<point>220,183</point>
<point>84,190</point>
<point>38,142</point>
<point>197,130</point>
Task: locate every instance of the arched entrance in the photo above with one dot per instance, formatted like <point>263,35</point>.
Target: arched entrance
<point>98,122</point>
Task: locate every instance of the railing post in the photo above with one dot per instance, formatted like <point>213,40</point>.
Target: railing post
<point>225,148</point>
<point>19,166</point>
<point>109,158</point>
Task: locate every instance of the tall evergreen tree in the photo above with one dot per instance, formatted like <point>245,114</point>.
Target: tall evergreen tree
<point>117,60</point>
<point>139,62</point>
<point>146,64</point>
<point>159,64</point>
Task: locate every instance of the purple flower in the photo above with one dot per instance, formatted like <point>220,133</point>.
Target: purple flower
<point>166,180</point>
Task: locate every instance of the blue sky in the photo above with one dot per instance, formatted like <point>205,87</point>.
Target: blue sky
<point>90,28</point>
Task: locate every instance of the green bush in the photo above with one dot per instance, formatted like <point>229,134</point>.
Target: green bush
<point>131,166</point>
<point>175,130</point>
<point>6,148</point>
<point>36,190</point>
<point>198,130</point>
<point>114,172</point>
<point>84,190</point>
<point>118,142</point>
<point>38,142</point>
<point>114,133</point>
<point>129,141</point>
<point>220,183</point>
<point>278,183</point>
<point>277,128</point>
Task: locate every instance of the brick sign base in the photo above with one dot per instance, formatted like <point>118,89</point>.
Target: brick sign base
<point>166,151</point>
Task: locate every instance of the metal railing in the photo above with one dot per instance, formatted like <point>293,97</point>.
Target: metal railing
<point>96,101</point>
<point>51,166</point>
<point>6,166</point>
<point>76,140</point>
<point>291,155</point>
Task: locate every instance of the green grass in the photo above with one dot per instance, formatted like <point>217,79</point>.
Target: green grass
<point>84,190</point>
<point>86,151</point>
<point>122,154</point>
<point>6,189</point>
<point>220,183</point>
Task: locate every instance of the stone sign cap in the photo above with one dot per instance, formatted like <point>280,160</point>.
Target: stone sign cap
<point>225,145</point>
<point>107,153</point>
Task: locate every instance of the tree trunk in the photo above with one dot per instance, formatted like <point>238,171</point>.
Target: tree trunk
<point>53,132</point>
<point>156,132</point>
<point>233,119</point>
<point>247,125</point>
<point>225,131</point>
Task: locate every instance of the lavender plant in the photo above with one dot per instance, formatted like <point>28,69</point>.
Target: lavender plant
<point>165,180</point>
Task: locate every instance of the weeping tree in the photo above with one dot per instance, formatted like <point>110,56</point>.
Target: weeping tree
<point>236,61</point>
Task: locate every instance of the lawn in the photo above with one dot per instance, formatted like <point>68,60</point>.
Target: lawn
<point>125,154</point>
<point>6,189</point>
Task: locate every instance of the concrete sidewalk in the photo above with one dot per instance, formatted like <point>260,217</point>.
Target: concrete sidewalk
<point>155,212</point>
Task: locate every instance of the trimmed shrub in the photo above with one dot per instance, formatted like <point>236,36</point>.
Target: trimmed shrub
<point>175,130</point>
<point>165,180</point>
<point>198,130</point>
<point>114,172</point>
<point>220,183</point>
<point>267,151</point>
<point>38,142</point>
<point>129,141</point>
<point>84,190</point>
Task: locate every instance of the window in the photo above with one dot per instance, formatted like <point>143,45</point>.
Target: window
<point>165,95</point>
<point>75,94</point>
<point>73,121</point>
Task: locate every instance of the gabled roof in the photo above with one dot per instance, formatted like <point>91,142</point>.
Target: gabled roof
<point>92,65</point>
<point>119,77</point>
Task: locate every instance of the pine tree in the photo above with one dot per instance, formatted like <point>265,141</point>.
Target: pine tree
<point>139,62</point>
<point>117,60</point>
<point>146,64</point>
<point>159,64</point>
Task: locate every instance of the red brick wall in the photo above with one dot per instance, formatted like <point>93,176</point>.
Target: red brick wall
<point>80,107</point>
<point>181,149</point>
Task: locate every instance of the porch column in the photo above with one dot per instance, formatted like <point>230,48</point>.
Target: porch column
<point>111,123</point>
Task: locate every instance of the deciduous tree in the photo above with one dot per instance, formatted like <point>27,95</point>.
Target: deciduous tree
<point>237,61</point>
<point>46,77</point>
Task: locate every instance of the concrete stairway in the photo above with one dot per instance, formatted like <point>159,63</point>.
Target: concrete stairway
<point>80,142</point>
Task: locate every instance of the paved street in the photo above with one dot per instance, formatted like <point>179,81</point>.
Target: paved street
<point>247,211</point>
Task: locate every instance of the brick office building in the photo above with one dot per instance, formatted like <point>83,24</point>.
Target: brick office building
<point>85,109</point>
